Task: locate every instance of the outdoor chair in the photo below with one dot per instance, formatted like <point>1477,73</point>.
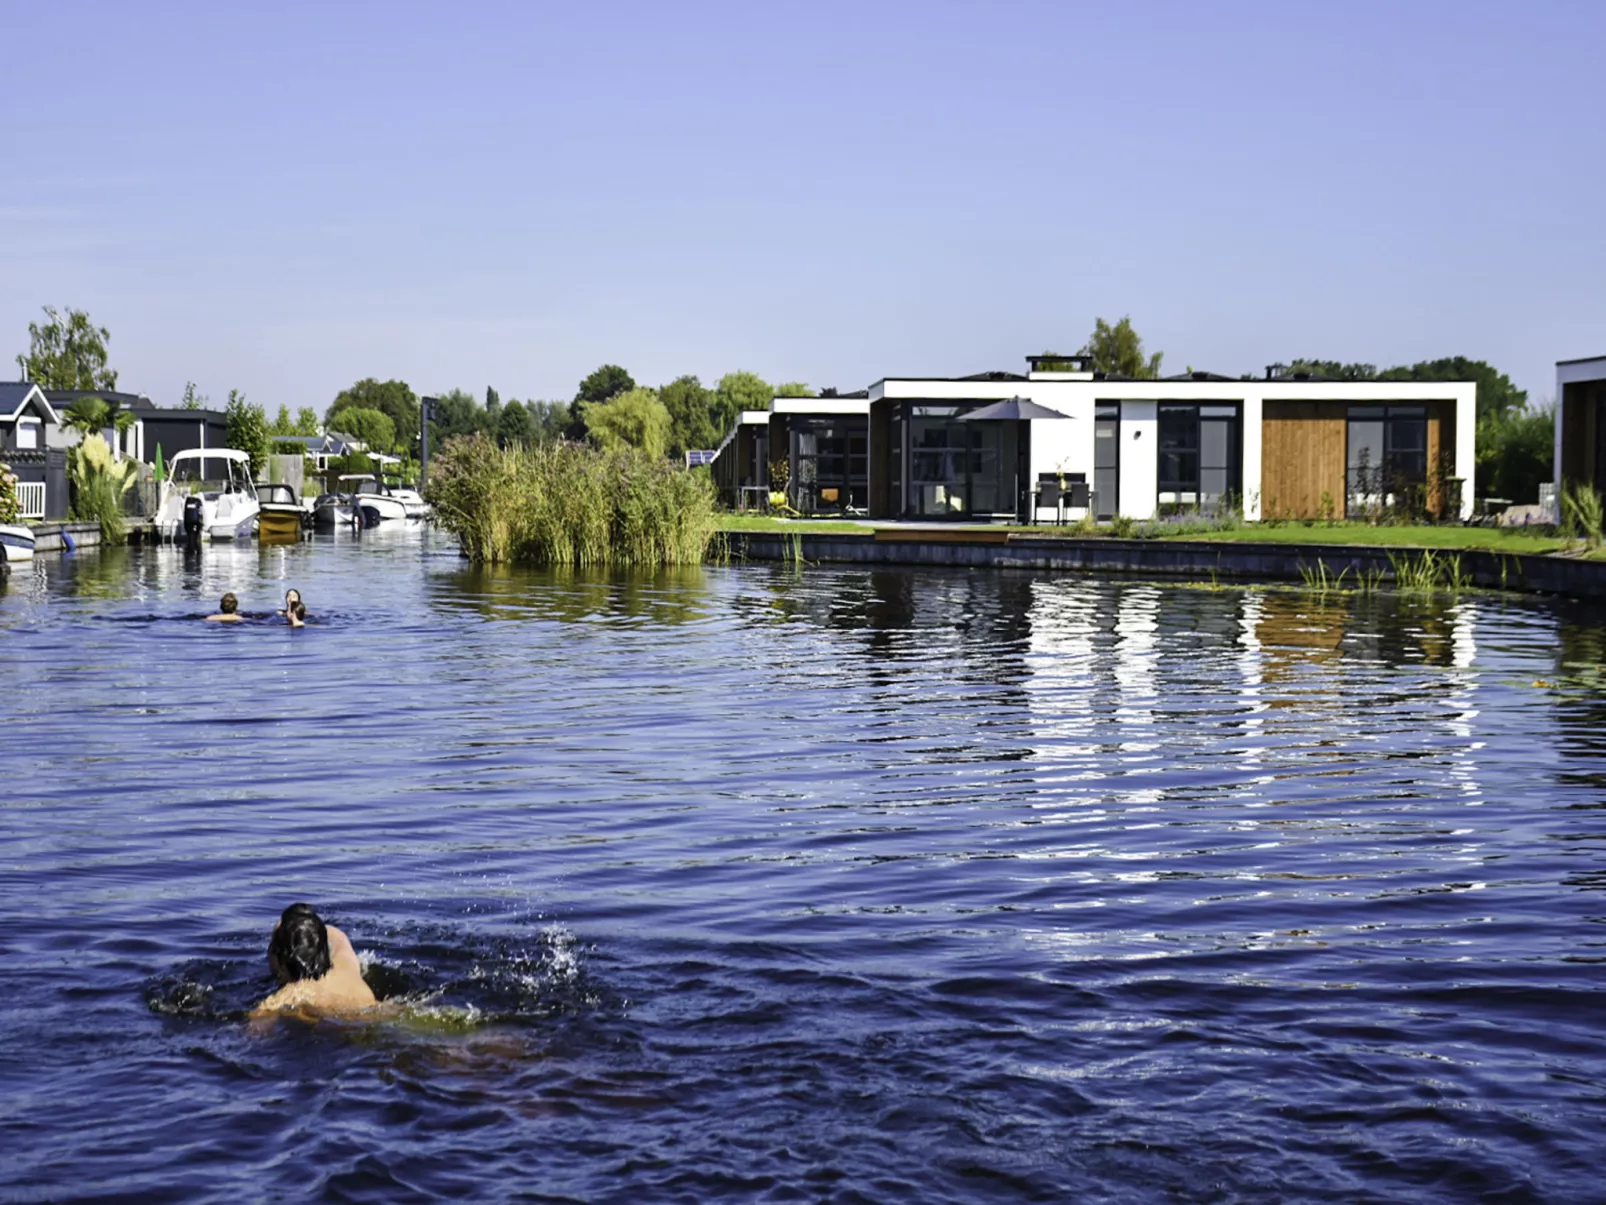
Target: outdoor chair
<point>1048,498</point>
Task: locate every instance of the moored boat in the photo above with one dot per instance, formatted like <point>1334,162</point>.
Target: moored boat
<point>282,514</point>
<point>375,497</point>
<point>16,543</point>
<point>228,499</point>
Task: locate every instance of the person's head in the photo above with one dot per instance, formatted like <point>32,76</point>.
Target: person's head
<point>230,604</point>
<point>298,614</point>
<point>291,597</point>
<point>299,947</point>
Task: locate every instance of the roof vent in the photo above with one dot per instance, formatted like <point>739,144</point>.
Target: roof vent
<point>1273,371</point>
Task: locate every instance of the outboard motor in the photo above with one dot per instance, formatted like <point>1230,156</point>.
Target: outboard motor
<point>193,524</point>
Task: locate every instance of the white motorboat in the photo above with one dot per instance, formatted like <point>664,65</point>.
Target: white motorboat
<point>374,497</point>
<point>228,499</point>
<point>16,543</point>
<point>331,511</point>
<point>410,498</point>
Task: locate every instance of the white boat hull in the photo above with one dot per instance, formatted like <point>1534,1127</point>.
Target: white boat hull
<point>16,543</point>
<point>386,507</point>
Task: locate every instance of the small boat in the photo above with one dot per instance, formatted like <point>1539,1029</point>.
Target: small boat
<point>16,543</point>
<point>228,500</point>
<point>332,511</point>
<point>282,514</point>
<point>375,497</point>
<point>408,493</point>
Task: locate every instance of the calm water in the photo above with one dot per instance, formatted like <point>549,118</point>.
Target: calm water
<point>832,885</point>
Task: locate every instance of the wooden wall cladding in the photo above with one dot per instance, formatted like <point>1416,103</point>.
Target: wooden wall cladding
<point>1302,458</point>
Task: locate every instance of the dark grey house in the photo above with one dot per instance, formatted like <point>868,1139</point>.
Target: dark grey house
<point>29,439</point>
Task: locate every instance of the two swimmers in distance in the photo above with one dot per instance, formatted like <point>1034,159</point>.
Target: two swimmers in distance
<point>294,610</point>
<point>316,967</point>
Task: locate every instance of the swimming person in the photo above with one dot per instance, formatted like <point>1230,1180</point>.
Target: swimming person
<point>297,614</point>
<point>315,965</point>
<point>291,597</point>
<point>228,610</point>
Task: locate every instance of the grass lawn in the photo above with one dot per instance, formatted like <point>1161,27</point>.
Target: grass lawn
<point>1495,539</point>
<point>794,526</point>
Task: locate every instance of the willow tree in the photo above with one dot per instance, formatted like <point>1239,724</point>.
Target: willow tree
<point>67,353</point>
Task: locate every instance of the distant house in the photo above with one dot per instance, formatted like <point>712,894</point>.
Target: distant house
<point>995,445</point>
<point>123,444</point>
<point>325,449</point>
<point>30,437</point>
<point>1581,423</point>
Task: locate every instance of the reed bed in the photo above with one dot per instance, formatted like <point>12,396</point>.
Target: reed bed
<point>570,505</point>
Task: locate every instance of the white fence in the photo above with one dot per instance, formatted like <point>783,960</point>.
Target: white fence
<point>31,499</point>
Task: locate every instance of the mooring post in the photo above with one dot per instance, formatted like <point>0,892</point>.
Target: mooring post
<point>426,411</point>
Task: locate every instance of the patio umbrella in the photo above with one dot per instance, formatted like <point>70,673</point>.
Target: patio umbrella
<point>161,470</point>
<point>1012,408</point>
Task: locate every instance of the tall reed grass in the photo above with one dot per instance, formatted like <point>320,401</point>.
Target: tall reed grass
<point>567,504</point>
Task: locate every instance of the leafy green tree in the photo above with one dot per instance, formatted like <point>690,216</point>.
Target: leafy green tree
<point>691,419</point>
<point>635,418</point>
<point>394,399</point>
<point>492,397</point>
<point>67,353</point>
<point>793,389</point>
<point>513,425</point>
<point>738,391</point>
<point>282,423</point>
<point>1119,349</point>
<point>548,420</point>
<point>306,421</point>
<point>1497,396</point>
<point>247,429</point>
<point>372,427</point>
<point>1336,369</point>
<point>192,400</point>
<point>607,382</point>
<point>457,413</point>
<point>1516,453</point>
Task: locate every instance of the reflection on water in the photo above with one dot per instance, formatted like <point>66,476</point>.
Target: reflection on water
<point>746,883</point>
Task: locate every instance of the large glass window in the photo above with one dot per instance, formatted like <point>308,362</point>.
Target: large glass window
<point>959,469</point>
<point>1386,459</point>
<point>830,462</point>
<point>1200,455</point>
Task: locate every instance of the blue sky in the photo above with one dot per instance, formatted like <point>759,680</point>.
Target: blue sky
<point>285,198</point>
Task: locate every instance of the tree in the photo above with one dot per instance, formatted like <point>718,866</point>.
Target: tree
<point>391,398</point>
<point>492,397</point>
<point>1337,370</point>
<point>67,353</point>
<point>372,427</point>
<point>635,418</point>
<point>1497,396</point>
<point>306,421</point>
<point>513,426</point>
<point>738,391</point>
<point>607,382</point>
<point>282,423</point>
<point>1516,453</point>
<point>192,400</point>
<point>456,413</point>
<point>247,429</point>
<point>1118,349</point>
<point>691,422</point>
<point>548,420</point>
<point>793,389</point>
<point>92,415</point>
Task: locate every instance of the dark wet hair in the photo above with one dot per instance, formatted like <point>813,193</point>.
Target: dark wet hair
<point>299,947</point>
<point>298,609</point>
<point>288,593</point>
<point>230,603</point>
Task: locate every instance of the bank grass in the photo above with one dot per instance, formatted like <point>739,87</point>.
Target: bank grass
<point>1362,535</point>
<point>730,521</point>
<point>570,505</point>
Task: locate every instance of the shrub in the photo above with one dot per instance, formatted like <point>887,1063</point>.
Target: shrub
<point>10,508</point>
<point>98,484</point>
<point>567,504</point>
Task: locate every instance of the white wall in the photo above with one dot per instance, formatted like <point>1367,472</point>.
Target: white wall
<point>1140,468</point>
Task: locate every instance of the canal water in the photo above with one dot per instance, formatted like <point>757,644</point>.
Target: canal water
<point>759,883</point>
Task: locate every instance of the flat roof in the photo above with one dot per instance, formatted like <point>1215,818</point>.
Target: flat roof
<point>1584,360</point>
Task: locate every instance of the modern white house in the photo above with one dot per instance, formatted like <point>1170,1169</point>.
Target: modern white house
<point>1287,445</point>
<point>1581,422</point>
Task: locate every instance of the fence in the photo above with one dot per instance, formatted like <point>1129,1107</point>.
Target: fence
<point>31,499</point>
